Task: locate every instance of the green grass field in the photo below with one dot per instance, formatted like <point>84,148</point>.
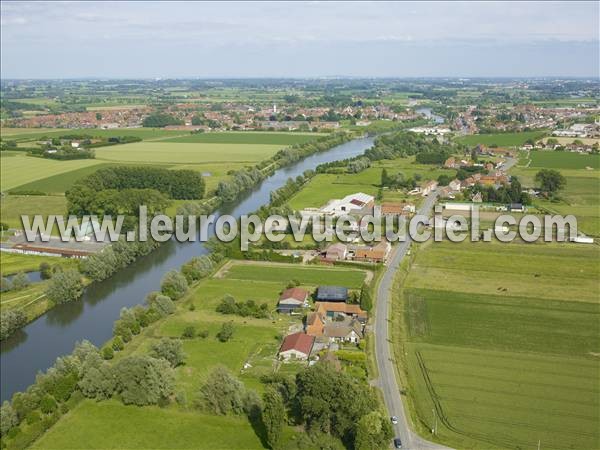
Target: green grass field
<point>177,153</point>
<point>350,278</point>
<point>21,169</point>
<point>564,160</point>
<point>501,139</point>
<point>502,341</point>
<point>11,263</point>
<point>245,137</point>
<point>111,425</point>
<point>13,206</point>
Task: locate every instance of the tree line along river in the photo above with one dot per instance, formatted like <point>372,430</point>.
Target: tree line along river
<point>35,347</point>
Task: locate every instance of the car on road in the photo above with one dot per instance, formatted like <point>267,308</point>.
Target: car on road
<point>394,420</point>
<point>397,443</point>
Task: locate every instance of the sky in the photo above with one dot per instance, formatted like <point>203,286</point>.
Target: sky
<point>298,39</point>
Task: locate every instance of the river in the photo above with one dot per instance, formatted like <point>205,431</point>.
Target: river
<point>427,112</point>
<point>35,347</point>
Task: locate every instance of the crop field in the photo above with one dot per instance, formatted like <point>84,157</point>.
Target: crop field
<point>246,137</point>
<point>30,134</point>
<point>497,349</point>
<point>20,169</point>
<point>350,278</point>
<point>580,197</point>
<point>501,139</point>
<point>564,160</point>
<point>13,206</point>
<point>175,153</point>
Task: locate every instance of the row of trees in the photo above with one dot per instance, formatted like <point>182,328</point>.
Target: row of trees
<point>228,305</point>
<point>512,193</point>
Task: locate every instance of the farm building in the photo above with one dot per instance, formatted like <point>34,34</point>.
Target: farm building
<point>292,299</point>
<point>349,204</point>
<point>336,252</point>
<point>331,309</point>
<point>332,293</point>
<point>53,247</point>
<point>296,346</point>
<point>396,208</point>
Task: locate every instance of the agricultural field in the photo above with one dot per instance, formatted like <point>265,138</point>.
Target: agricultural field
<point>13,206</point>
<point>502,361</point>
<point>581,195</point>
<point>255,341</point>
<point>245,137</point>
<point>19,169</point>
<point>501,139</point>
<point>178,153</point>
<point>564,160</point>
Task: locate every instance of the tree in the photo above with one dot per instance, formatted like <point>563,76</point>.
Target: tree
<point>8,418</point>
<point>143,380</point>
<point>373,432</point>
<point>20,281</point>
<point>174,285</point>
<point>98,382</point>
<point>222,393</point>
<point>11,321</point>
<point>366,301</point>
<point>384,178</point>
<point>45,270</point>
<point>65,286</point>
<point>162,304</point>
<point>273,416</point>
<point>226,332</point>
<point>189,332</point>
<point>108,352</point>
<point>170,350</point>
<point>118,344</point>
<point>550,180</point>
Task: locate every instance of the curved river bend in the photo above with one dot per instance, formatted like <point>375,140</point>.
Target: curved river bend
<point>37,345</point>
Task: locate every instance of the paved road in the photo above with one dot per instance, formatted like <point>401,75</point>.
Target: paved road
<point>385,361</point>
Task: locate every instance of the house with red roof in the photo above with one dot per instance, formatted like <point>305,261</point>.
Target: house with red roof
<point>296,346</point>
<point>292,299</point>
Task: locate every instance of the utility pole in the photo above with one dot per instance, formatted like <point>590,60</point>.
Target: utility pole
<point>434,429</point>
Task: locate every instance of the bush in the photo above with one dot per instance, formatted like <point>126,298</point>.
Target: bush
<point>118,344</point>
<point>20,281</point>
<point>248,308</point>
<point>8,418</point>
<point>189,332</point>
<point>226,332</point>
<point>48,404</point>
<point>174,285</point>
<point>222,393</point>
<point>33,417</point>
<point>108,352</point>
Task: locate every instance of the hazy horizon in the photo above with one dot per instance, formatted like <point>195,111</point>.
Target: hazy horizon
<point>237,40</point>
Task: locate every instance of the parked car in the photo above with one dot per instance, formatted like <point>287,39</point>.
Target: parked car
<point>394,420</point>
<point>397,443</point>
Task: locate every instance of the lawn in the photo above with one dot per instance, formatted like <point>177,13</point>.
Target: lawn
<point>502,342</point>
<point>247,137</point>
<point>20,169</point>
<point>564,160</point>
<point>11,263</point>
<point>176,153</point>
<point>501,139</point>
<point>111,425</point>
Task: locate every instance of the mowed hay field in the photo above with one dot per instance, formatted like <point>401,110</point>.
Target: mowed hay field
<point>502,341</point>
<point>109,424</point>
<point>254,137</point>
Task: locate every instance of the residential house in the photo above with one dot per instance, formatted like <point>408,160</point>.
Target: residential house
<point>375,254</point>
<point>344,329</point>
<point>450,163</point>
<point>332,293</point>
<point>477,198</point>
<point>331,309</point>
<point>455,185</point>
<point>296,346</point>
<point>292,299</point>
<point>315,324</point>
<point>428,187</point>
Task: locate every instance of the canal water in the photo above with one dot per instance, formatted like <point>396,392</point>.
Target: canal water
<point>35,347</point>
<point>428,113</point>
